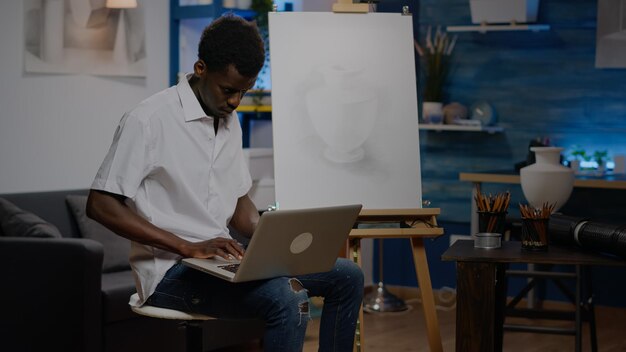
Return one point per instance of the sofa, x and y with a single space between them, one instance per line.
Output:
65 287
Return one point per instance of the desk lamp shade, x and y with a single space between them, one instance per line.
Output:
120 48
547 181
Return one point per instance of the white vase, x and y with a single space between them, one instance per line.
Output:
504 11
432 112
343 111
547 181
244 4
229 4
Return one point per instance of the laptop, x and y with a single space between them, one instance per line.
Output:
287 243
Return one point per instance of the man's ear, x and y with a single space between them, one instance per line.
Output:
199 68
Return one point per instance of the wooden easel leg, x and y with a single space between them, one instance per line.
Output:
428 299
359 339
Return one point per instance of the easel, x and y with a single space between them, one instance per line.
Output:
422 224
402 190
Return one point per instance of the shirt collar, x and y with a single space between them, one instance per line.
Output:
189 101
191 106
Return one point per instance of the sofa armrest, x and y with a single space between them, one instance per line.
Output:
51 294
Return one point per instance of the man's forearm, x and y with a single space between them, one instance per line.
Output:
246 216
111 211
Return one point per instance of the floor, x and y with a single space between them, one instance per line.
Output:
405 331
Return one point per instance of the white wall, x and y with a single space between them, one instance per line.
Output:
56 129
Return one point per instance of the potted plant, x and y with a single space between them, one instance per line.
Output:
599 156
435 55
577 156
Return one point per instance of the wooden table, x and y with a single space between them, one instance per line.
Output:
601 182
421 223
481 286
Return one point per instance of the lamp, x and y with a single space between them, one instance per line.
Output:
381 300
120 48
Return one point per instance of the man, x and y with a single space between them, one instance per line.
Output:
175 178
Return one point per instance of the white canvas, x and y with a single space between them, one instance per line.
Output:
344 110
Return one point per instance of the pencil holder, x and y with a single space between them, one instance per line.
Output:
535 234
491 222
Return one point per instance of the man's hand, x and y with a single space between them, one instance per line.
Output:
219 246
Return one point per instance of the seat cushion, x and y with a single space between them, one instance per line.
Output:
116 291
116 248
16 222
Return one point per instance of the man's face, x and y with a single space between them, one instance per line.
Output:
220 92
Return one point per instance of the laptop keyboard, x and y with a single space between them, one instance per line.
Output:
230 267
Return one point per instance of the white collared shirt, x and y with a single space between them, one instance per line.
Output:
177 173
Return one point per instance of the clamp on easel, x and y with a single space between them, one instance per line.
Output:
347 6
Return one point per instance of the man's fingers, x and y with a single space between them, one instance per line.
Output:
227 248
234 249
231 246
222 253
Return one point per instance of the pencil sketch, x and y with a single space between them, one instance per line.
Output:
343 110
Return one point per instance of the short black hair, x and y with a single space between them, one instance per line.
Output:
231 39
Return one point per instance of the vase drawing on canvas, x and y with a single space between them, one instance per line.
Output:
547 181
343 111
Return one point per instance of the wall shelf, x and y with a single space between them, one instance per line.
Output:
483 28
461 128
254 108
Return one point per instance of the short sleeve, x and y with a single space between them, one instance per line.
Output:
128 161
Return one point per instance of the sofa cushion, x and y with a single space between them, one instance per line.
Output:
16 222
116 248
116 291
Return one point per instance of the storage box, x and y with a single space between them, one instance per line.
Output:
261 165
260 162
262 193
504 11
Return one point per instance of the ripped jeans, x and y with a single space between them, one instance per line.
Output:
281 302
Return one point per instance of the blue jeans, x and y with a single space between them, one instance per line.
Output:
281 302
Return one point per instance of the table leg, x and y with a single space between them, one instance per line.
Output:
428 299
500 305
481 297
355 254
586 272
579 308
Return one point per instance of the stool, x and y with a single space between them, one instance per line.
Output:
582 298
191 322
